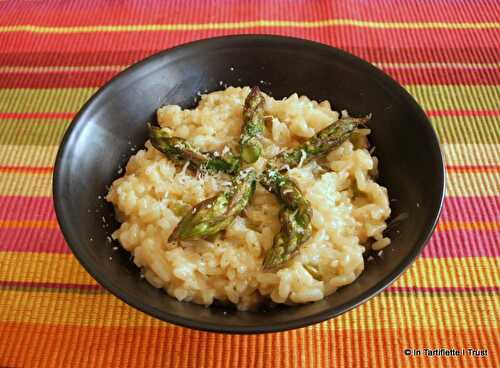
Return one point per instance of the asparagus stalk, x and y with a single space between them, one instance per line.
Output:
295 218
179 150
321 143
253 119
215 214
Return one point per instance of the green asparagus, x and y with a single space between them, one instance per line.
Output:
295 218
253 120
179 150
321 143
215 214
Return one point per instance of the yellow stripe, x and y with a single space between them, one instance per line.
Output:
456 97
24 155
473 184
250 24
471 154
30 266
426 272
450 272
381 312
25 184
458 184
455 154
35 100
435 97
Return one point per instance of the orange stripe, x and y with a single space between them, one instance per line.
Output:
450 168
168 346
29 224
27 169
472 168
468 225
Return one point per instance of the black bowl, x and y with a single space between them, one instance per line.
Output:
111 126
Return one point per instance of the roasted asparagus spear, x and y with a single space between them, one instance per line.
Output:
179 150
321 143
253 120
295 218
215 214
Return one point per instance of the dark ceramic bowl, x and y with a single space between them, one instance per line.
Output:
111 126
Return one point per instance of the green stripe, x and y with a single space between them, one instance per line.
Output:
454 129
447 97
32 132
19 100
467 129
444 97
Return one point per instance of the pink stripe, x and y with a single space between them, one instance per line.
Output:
33 240
469 209
455 208
445 244
26 208
463 243
451 243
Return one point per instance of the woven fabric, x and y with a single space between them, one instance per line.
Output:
54 55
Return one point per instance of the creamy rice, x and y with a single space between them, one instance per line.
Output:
349 208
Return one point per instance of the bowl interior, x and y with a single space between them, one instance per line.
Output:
111 127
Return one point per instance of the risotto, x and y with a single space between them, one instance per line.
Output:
349 209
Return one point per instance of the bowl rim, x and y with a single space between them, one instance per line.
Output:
165 315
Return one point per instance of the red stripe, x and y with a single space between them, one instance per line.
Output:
37 115
70 115
338 36
54 80
463 112
127 57
76 79
94 13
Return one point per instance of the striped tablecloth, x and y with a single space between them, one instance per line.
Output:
54 55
